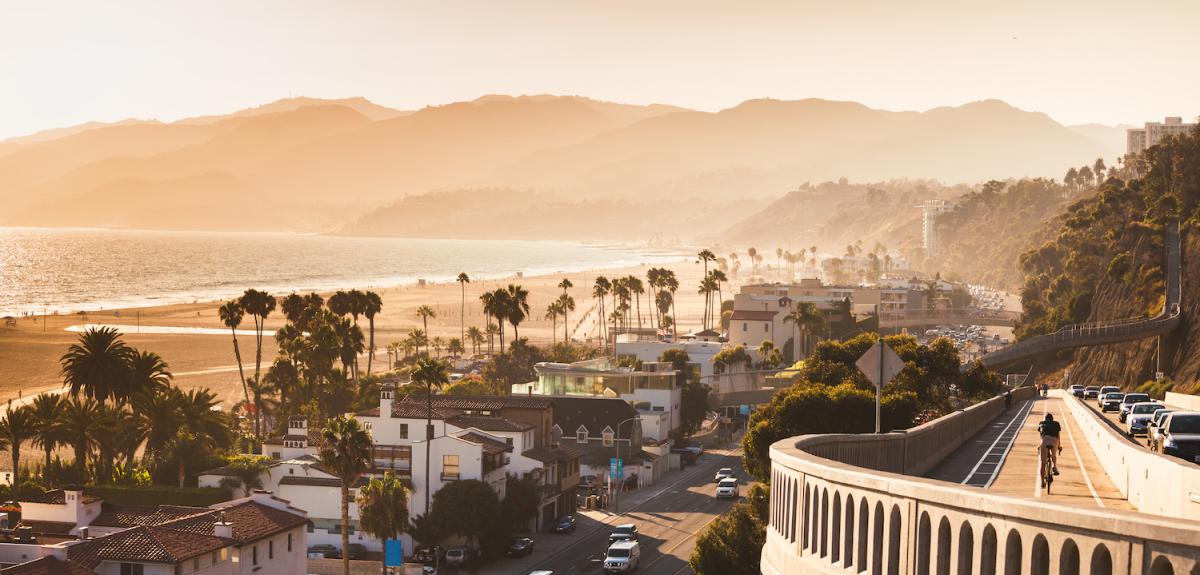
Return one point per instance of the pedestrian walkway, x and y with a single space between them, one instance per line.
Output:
1004 458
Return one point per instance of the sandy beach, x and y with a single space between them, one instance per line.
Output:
30 351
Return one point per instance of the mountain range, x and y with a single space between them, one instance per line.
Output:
307 164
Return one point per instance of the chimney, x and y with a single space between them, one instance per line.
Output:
385 401
83 533
223 528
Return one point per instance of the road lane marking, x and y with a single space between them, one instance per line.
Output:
1004 453
1078 458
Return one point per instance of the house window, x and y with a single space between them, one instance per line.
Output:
225 553
132 568
254 555
745 326
196 564
581 435
289 542
213 559
367 424
608 437
403 431
449 467
271 549
275 455
766 327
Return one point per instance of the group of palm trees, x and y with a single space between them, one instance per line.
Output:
562 306
118 402
625 295
508 304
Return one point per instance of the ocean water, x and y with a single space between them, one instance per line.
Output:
69 270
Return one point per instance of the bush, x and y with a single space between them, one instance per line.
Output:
731 545
160 495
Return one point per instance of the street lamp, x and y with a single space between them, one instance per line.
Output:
617 447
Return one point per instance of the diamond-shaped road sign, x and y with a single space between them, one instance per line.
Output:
869 363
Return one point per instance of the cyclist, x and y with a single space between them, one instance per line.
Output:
1050 447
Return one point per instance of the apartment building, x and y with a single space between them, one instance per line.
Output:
1138 139
652 390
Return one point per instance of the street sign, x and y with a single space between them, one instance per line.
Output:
612 469
880 364
869 363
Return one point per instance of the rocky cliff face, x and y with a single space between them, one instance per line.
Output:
1131 364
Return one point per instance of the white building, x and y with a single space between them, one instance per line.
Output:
1138 139
930 210
649 350
654 390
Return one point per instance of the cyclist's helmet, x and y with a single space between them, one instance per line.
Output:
1049 417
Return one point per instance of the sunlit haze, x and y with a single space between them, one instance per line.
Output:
65 63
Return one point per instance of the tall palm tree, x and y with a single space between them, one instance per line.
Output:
18 426
565 285
671 284
637 288
552 312
80 426
259 304
463 280
719 277
431 373
807 318
157 415
492 331
455 347
231 315
654 280
600 290
48 411
383 507
202 413
425 312
97 366
438 344
566 304
393 351
372 305
707 286
518 307
148 372
346 452
475 336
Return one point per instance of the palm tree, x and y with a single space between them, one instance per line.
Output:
98 365
495 304
18 426
636 287
671 284
566 304
393 352
157 414
346 452
719 277
599 290
80 425
463 280
475 336
201 411
518 308
566 284
805 317
231 315
425 312
148 372
248 470
188 445
259 304
707 286
383 508
48 412
438 344
492 330
372 304
431 373
455 347
552 312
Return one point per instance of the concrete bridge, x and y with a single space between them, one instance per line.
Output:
926 318
960 495
1107 332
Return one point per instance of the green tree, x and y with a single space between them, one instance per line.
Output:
231 315
346 451
730 545
79 426
522 497
518 307
600 290
248 470
425 312
259 304
17 427
48 411
157 415
513 366
469 508
693 401
463 280
188 446
372 305
476 337
383 507
430 373
468 386
97 365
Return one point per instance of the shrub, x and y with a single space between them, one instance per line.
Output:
160 495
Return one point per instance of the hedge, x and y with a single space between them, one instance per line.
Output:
160 495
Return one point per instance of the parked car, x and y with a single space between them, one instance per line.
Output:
723 473
1128 401
1181 435
622 557
1077 390
325 550
587 481
728 487
1091 391
624 531
1105 391
458 556
565 524
357 552
520 547
1111 401
1139 417
1154 434
427 555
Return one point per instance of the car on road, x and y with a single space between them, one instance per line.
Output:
540 572
1091 391
1111 401
1105 391
723 473
325 550
728 487
623 557
458 556
1128 401
622 532
1077 390
565 524
1181 435
1139 416
1154 434
520 547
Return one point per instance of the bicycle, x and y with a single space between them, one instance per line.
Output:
1046 454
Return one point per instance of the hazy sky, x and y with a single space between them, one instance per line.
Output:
63 63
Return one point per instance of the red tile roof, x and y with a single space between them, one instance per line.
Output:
112 515
490 446
147 545
564 452
753 315
48 565
55 497
488 423
251 521
49 527
478 402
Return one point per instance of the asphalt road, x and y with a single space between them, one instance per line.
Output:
668 522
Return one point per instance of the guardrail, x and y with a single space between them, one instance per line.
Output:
1111 331
841 504
1152 482
1183 400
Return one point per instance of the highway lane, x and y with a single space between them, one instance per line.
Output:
668 522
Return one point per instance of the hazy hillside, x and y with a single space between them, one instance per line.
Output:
295 158
514 214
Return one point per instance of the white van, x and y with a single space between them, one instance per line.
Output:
623 557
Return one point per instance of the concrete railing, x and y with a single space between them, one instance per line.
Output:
1107 332
1183 401
1153 483
839 505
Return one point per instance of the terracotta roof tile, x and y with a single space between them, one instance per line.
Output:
112 515
48 565
251 521
146 544
478 402
488 423
56 497
490 446
563 452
